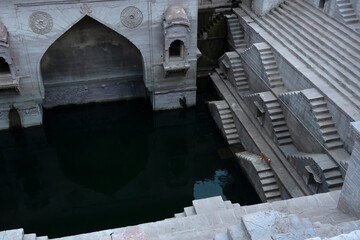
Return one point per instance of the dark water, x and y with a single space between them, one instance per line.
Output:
104 166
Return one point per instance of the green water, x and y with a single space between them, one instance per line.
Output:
97 167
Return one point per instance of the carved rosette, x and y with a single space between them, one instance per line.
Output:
131 17
41 22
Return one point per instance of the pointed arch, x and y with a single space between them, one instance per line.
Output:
89 50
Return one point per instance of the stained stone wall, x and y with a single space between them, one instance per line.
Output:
35 25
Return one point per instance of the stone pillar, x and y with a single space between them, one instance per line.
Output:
30 115
349 200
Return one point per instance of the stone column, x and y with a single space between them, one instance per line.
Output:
349 201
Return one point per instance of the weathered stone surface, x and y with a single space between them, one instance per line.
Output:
350 194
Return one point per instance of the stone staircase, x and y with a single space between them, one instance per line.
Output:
324 119
213 24
265 176
240 79
315 215
333 178
227 122
329 172
295 26
278 121
347 11
270 66
235 33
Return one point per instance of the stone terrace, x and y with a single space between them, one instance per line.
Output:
323 50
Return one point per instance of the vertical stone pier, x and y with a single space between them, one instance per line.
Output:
349 200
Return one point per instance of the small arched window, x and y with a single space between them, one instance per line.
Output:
176 50
322 4
4 67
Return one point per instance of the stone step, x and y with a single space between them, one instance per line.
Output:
229 126
318 104
270 62
226 116
272 105
273 194
328 131
323 116
228 205
329 26
234 141
230 131
267 174
346 10
179 215
271 67
228 121
281 129
326 74
267 58
237 232
331 138
285 141
326 124
275 111
282 135
321 110
243 88
337 182
334 145
272 72
319 56
42 238
270 188
332 174
232 136
275 80
31 236
279 123
351 20
319 39
225 111
189 211
277 117
268 181
241 83
209 205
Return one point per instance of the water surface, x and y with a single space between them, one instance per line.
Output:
103 166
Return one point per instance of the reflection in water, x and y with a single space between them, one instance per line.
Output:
103 166
213 186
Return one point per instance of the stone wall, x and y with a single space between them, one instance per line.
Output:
34 25
301 121
350 194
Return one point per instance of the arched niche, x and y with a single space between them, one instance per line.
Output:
89 53
176 27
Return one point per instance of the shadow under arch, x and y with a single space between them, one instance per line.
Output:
91 51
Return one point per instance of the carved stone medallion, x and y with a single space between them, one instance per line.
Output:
131 17
41 22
